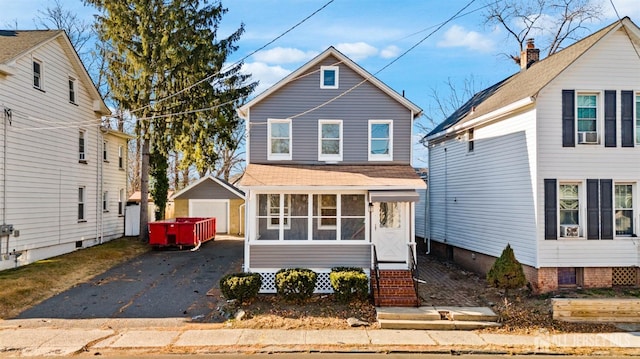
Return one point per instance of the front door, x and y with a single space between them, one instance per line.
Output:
390 233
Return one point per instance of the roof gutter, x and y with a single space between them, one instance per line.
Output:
503 111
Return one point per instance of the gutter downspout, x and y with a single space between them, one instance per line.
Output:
427 207
4 175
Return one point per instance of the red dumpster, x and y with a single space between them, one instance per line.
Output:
182 232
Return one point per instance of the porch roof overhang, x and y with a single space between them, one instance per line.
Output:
394 196
321 177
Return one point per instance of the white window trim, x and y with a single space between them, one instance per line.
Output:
281 215
279 156
121 157
82 201
634 211
329 157
41 63
336 69
599 116
582 209
320 216
380 157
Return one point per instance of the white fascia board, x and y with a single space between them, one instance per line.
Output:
486 117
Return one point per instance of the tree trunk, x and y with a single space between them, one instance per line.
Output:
144 192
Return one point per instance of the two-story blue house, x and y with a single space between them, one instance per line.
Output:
547 160
328 180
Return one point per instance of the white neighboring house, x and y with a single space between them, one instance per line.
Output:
547 160
63 176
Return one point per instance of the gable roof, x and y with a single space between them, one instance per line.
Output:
228 186
527 83
243 111
17 43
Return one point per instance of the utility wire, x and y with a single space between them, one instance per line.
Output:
235 63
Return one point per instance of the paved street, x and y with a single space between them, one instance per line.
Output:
158 284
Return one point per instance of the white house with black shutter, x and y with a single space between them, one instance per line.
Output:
547 160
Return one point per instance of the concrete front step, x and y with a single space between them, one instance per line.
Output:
434 324
436 318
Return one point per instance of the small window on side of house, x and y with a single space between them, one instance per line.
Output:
105 151
105 201
81 202
81 146
37 74
121 202
637 118
470 140
329 77
120 157
72 90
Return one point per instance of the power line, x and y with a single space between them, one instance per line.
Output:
235 63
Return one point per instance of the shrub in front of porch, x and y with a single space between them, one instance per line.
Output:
296 284
349 283
241 286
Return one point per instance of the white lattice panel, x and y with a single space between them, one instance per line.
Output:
323 284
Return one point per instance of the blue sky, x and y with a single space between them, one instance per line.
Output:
372 33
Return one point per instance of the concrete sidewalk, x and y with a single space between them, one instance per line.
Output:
37 337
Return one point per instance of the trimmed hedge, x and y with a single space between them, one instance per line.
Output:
241 286
349 283
296 284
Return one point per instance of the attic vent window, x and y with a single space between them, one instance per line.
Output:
329 77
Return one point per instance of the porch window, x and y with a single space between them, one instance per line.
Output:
328 211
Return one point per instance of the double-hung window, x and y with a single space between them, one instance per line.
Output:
81 146
330 140
587 116
81 201
380 140
569 205
105 151
329 77
279 134
120 157
37 74
105 201
121 202
623 202
274 210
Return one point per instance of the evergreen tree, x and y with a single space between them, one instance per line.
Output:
507 272
156 49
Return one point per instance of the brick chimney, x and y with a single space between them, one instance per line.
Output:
529 55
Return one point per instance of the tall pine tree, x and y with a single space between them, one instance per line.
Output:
158 48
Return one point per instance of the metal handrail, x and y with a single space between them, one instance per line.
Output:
376 270
414 268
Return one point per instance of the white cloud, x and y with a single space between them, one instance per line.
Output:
458 36
390 52
267 75
357 51
283 55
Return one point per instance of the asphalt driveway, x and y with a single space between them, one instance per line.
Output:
157 284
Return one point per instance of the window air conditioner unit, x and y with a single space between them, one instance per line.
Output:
570 231
81 156
588 137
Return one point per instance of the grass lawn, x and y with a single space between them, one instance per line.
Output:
26 286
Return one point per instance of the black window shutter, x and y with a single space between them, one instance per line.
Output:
626 111
606 209
568 119
550 209
610 118
593 209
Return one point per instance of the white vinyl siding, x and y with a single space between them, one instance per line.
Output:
611 64
380 140
279 135
330 140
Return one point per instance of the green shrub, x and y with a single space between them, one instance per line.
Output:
349 283
241 286
507 272
296 284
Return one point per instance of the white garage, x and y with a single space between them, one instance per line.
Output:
213 197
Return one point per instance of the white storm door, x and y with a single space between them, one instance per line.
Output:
210 208
389 231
